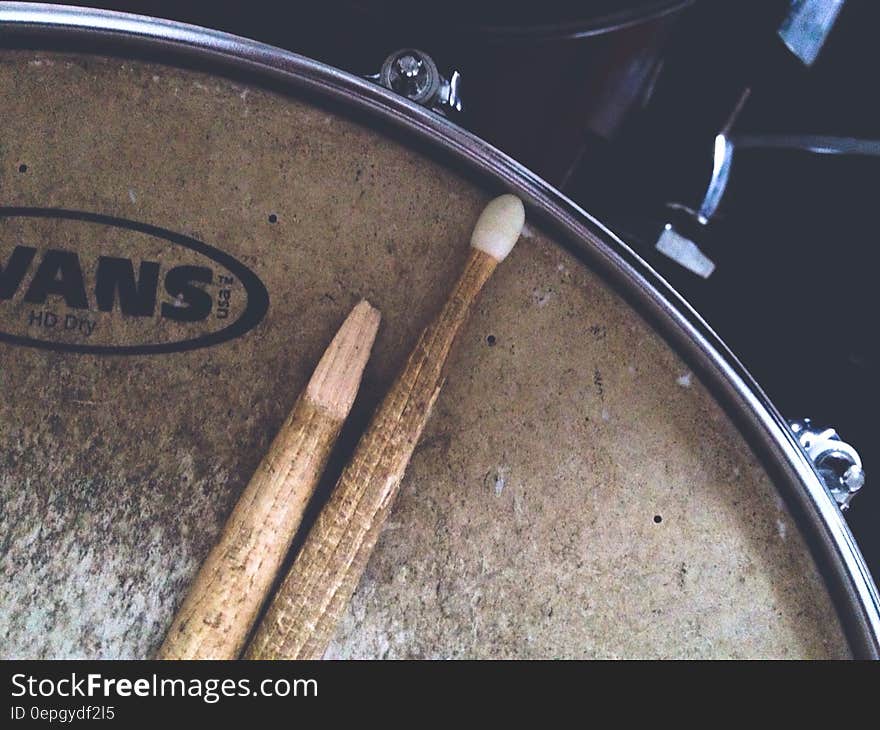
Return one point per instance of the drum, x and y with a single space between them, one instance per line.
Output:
187 218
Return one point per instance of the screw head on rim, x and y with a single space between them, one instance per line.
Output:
412 74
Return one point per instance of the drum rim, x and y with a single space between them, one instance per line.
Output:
829 538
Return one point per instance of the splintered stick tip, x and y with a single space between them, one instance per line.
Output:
335 381
499 226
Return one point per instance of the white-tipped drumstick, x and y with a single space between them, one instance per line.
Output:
303 615
223 602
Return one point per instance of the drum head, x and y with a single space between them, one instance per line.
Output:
178 247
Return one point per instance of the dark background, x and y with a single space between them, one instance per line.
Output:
793 294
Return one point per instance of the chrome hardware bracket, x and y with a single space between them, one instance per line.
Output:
836 461
807 26
414 75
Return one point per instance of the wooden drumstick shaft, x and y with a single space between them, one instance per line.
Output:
223 602
303 615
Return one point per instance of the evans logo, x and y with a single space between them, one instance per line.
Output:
90 283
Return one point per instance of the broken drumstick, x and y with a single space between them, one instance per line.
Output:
221 607
303 615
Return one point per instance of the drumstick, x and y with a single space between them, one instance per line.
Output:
220 609
303 615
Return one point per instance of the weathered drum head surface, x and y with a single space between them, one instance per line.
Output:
177 251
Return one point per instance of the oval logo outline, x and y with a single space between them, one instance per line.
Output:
254 311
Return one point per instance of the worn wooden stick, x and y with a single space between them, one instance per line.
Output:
303 615
222 605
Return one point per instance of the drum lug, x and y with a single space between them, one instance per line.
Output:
414 75
836 461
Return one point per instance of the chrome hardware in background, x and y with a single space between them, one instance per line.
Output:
672 242
804 31
837 462
725 146
807 25
687 252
